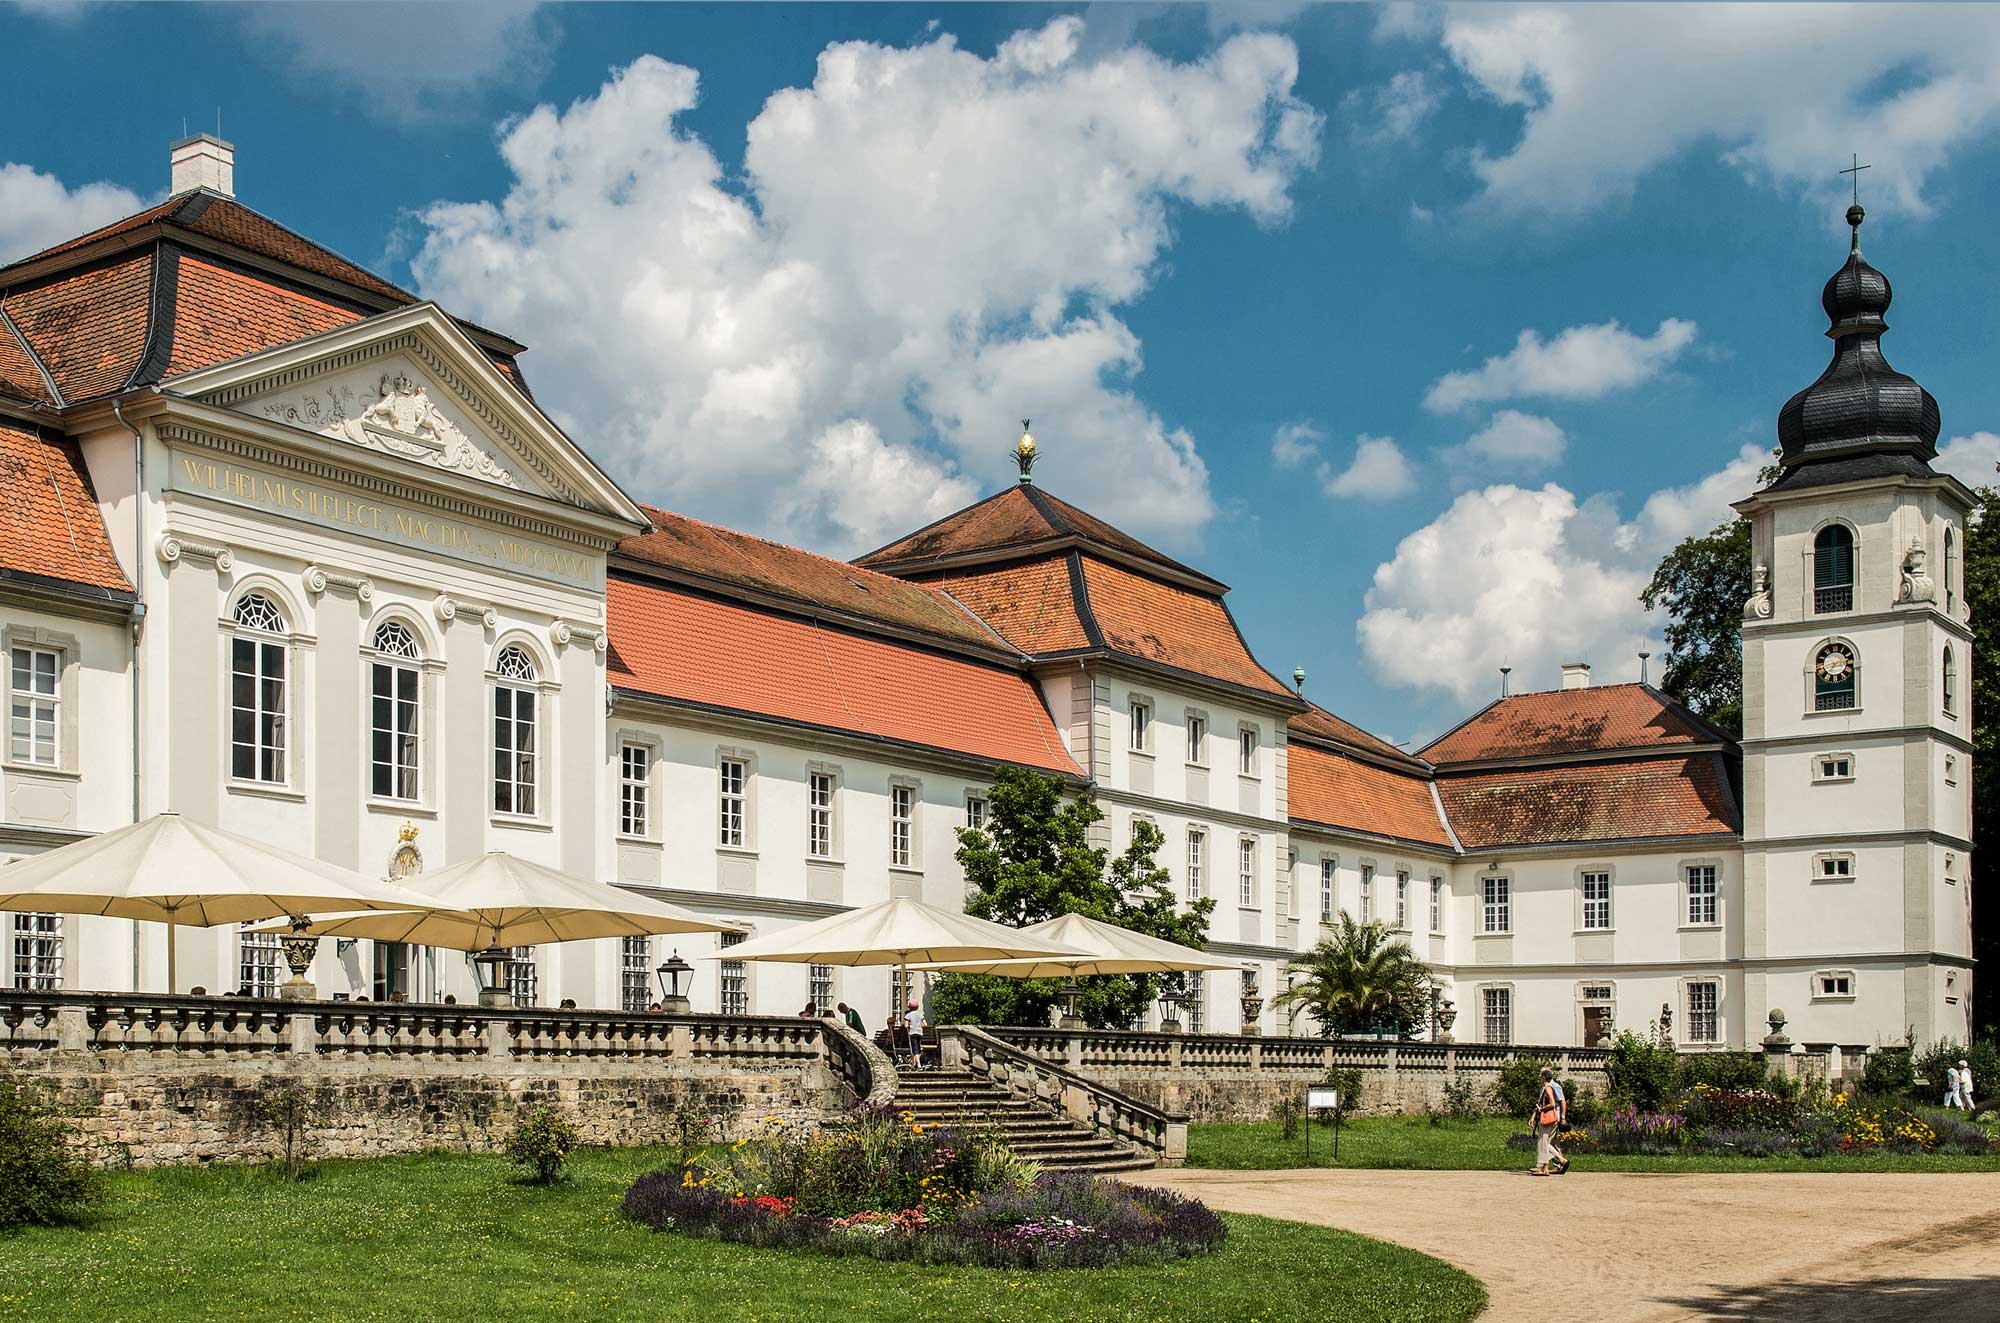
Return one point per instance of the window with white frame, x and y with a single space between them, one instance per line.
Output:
1704 895
1191 1000
1197 846
1833 984
635 786
733 776
734 984
395 712
902 826
635 970
1596 885
1246 872
819 815
516 747
257 691
1437 904
1197 738
34 706
1833 767
1246 751
38 951
1497 1011
819 987
1402 898
523 979
1367 893
975 812
1141 715
1833 867
1329 882
1496 905
1703 1024
257 962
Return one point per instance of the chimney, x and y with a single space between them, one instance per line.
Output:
204 161
1576 675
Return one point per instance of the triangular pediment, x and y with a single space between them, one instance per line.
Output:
410 387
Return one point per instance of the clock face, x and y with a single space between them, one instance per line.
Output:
1835 665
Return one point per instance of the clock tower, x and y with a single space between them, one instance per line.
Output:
1857 722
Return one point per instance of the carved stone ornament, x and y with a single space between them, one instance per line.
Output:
1917 585
559 633
172 549
406 860
399 420
1759 605
444 608
318 580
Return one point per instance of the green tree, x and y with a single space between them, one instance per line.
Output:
1359 979
1703 583
1981 574
1033 861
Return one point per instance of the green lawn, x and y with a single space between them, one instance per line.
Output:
1411 1142
454 1237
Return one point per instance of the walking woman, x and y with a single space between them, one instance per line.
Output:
1548 1116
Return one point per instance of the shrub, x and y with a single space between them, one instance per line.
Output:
1887 1073
1461 1100
1954 1133
1728 1071
1585 1108
1519 1085
1932 1062
1348 1080
1757 1108
1642 1073
44 1177
1287 1115
542 1141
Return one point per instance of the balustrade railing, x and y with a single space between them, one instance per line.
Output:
1031 1076
1117 1049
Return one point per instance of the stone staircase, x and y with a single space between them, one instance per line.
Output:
1034 1132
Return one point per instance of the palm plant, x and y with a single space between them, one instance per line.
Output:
1359 979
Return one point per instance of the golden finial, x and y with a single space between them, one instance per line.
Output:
1024 452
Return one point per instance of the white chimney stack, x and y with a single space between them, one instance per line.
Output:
1576 675
205 161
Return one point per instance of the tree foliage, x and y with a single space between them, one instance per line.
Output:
1703 583
1034 861
1981 575
1359 979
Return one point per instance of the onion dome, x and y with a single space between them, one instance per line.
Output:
1861 413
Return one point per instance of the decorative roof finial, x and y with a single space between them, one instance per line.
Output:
1024 452
1855 214
1299 680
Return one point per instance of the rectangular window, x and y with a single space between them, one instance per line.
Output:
1402 898
1142 725
1498 1007
513 750
256 709
1833 985
1835 767
1833 868
257 963
635 781
1704 900
819 987
394 712
38 951
635 973
1702 1026
819 815
975 812
1196 844
1197 738
1597 900
523 983
902 825
735 980
1246 751
1191 999
1246 872
1437 904
733 775
1329 878
34 706
1496 908
1367 893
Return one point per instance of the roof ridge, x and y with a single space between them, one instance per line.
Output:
1002 494
846 566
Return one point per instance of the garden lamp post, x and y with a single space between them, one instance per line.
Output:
1069 993
670 975
492 966
1170 1023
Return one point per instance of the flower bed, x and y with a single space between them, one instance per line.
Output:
887 1186
1762 1123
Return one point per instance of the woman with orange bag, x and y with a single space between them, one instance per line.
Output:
1548 1117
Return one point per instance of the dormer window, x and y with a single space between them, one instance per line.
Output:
1833 569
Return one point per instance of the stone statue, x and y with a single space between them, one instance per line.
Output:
1917 585
1759 605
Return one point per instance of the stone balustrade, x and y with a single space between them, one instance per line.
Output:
1038 1079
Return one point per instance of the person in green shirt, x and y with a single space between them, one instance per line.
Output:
852 1017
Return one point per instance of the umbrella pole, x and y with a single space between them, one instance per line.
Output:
170 951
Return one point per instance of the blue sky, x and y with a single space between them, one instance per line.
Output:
1427 329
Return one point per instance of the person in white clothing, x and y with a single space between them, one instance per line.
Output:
1951 1087
1965 1085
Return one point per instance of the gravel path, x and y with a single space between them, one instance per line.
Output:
1639 1248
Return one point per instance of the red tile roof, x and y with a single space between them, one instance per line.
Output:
739 560
726 655
1316 723
1333 790
1030 604
1006 524
1175 626
89 326
49 521
19 380
1561 721
1685 795
221 313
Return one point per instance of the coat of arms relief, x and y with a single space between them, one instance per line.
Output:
395 415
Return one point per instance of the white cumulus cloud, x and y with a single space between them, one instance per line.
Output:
925 244
1514 439
1295 443
38 210
1971 459
1611 92
1581 363
1378 472
1396 110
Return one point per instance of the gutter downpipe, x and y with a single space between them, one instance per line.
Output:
138 623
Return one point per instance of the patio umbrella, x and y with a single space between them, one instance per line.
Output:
1106 948
172 870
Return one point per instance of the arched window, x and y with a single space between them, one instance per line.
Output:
514 732
1950 682
1950 568
1833 569
395 712
1833 677
257 691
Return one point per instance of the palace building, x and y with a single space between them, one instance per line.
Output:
293 551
